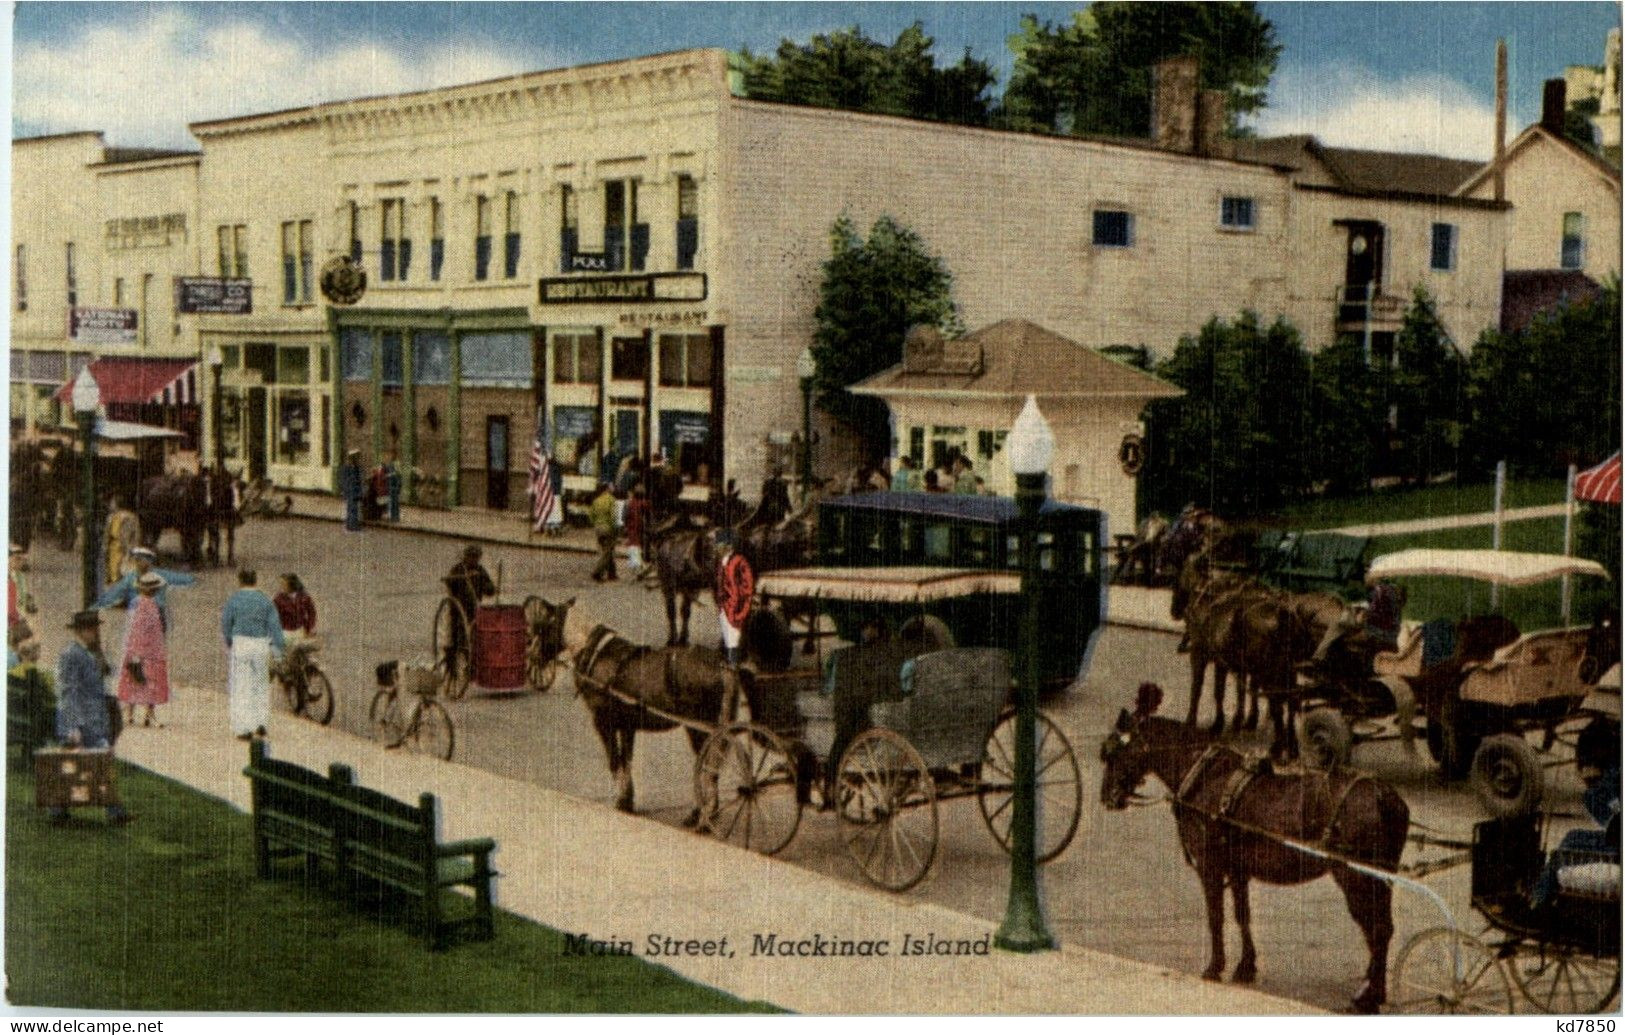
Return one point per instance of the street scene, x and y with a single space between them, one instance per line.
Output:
815 526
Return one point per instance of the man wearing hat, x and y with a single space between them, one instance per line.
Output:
82 714
736 583
125 593
602 512
468 583
352 483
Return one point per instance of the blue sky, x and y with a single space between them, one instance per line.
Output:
1417 76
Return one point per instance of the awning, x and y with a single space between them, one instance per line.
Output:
1599 484
906 585
125 431
1501 567
129 380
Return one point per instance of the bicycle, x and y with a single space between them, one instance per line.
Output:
424 722
305 686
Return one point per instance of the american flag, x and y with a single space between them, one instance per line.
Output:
541 484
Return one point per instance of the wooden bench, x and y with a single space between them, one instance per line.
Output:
366 835
1327 561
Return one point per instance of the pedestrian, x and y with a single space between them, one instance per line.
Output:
19 604
22 597
124 590
352 484
931 482
123 535
253 635
295 609
83 719
665 487
637 528
907 476
735 586
602 512
555 512
392 487
144 670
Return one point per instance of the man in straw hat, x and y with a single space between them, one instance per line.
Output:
83 719
124 592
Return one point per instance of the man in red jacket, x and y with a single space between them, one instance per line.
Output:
736 583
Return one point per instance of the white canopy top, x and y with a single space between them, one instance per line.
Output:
1502 567
905 585
125 431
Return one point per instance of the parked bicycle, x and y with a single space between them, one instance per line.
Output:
303 684
404 710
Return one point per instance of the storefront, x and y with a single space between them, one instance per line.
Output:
157 393
276 407
37 377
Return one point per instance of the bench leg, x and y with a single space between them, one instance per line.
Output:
482 899
431 918
262 857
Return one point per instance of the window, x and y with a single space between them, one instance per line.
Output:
73 278
629 359
390 359
431 358
355 233
297 240
685 360
1574 242
1114 229
688 221
394 247
510 236
569 227
355 354
1444 246
576 359
233 250
482 237
22 278
437 238
615 193
499 358
307 258
141 320
1234 214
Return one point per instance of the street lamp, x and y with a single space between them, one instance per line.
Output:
87 396
217 362
1032 446
806 369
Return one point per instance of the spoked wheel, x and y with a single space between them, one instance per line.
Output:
1442 971
541 672
1564 981
1059 786
433 734
387 718
450 644
318 696
1507 775
887 804
745 789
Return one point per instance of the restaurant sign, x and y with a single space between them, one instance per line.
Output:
102 326
649 287
233 296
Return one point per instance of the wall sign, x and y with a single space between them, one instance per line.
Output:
145 231
648 287
102 326
343 281
1131 454
233 296
589 262
746 373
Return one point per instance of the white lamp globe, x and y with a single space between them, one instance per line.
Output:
806 365
87 394
1031 443
216 357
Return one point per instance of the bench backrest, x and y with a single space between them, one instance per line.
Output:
286 789
396 838
957 697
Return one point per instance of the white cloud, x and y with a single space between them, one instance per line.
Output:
143 83
1348 105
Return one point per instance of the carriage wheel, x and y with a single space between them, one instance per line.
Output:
540 672
887 804
745 789
1566 981
318 696
1507 776
432 733
1059 786
386 719
451 626
1442 970
1326 738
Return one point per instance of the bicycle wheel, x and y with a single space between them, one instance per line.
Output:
449 640
385 718
318 696
432 731
290 689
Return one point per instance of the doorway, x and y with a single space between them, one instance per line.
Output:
255 433
628 438
496 463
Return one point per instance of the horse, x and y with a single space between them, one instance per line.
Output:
1139 562
620 682
1238 821
1210 606
222 512
683 558
179 502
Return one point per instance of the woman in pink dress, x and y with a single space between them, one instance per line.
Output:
144 675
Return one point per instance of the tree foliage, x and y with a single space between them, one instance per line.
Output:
1094 75
1427 394
1349 417
873 291
846 69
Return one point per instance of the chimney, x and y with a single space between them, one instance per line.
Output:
1500 118
1211 121
1553 103
1173 104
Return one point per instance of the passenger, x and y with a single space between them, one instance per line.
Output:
907 477
1596 756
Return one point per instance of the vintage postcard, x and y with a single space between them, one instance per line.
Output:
841 508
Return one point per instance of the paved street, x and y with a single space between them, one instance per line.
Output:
1122 887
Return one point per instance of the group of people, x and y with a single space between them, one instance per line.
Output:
627 507
370 495
957 475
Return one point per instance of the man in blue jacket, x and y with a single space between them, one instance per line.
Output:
253 635
83 719
123 592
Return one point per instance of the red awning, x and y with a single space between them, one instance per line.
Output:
128 380
1599 484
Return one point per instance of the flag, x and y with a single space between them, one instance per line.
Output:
541 484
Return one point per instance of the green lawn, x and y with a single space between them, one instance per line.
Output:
166 914
1410 504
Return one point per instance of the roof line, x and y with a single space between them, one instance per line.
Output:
1532 132
58 136
1400 195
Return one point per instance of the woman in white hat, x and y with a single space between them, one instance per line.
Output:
144 672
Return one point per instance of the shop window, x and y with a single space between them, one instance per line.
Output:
293 365
1235 214
569 227
685 438
685 360
293 427
72 277
688 221
499 358
390 359
482 237
21 293
1444 246
1113 229
576 359
575 439
355 354
231 423
629 359
394 246
260 358
437 238
431 358
510 236
1574 242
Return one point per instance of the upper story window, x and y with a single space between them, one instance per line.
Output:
615 222
233 249
482 237
298 239
355 233
21 294
1444 246
577 359
118 292
1573 255
569 227
72 277
1114 228
394 246
510 235
685 360
688 221
1235 213
437 238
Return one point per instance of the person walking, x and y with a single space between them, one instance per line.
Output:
144 670
83 719
392 487
352 484
253 635
602 513
735 586
637 528
123 535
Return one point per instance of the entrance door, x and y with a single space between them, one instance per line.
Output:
496 463
255 430
1364 266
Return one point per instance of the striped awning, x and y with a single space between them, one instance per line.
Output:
133 381
1599 484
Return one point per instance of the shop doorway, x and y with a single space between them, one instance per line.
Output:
254 432
628 437
496 463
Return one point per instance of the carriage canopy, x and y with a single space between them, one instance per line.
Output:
1501 567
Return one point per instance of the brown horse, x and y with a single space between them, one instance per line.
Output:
1211 605
684 560
1235 819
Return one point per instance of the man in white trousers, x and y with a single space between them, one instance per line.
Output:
253 635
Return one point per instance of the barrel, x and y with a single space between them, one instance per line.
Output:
499 646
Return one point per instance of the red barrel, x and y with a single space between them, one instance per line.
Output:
499 646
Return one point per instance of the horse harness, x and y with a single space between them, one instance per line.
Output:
606 642
1236 784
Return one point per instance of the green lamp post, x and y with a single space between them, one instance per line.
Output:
1032 446
806 369
87 397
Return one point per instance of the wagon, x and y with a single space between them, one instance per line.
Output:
500 647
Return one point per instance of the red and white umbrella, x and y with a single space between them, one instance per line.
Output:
1599 484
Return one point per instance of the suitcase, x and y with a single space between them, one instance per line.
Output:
65 779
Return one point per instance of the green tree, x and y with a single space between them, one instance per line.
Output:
1577 123
1094 75
1348 417
874 290
1427 393
1239 440
846 69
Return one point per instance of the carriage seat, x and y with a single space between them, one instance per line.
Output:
1406 658
958 697
1591 879
1535 667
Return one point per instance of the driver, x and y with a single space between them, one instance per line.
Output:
1596 756
468 583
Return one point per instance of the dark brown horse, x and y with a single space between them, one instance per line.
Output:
1235 818
1211 606
684 560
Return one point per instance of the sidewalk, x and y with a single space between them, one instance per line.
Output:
473 524
581 867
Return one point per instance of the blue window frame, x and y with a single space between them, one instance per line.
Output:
1444 246
1236 213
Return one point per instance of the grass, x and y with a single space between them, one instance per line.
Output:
1409 504
166 914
